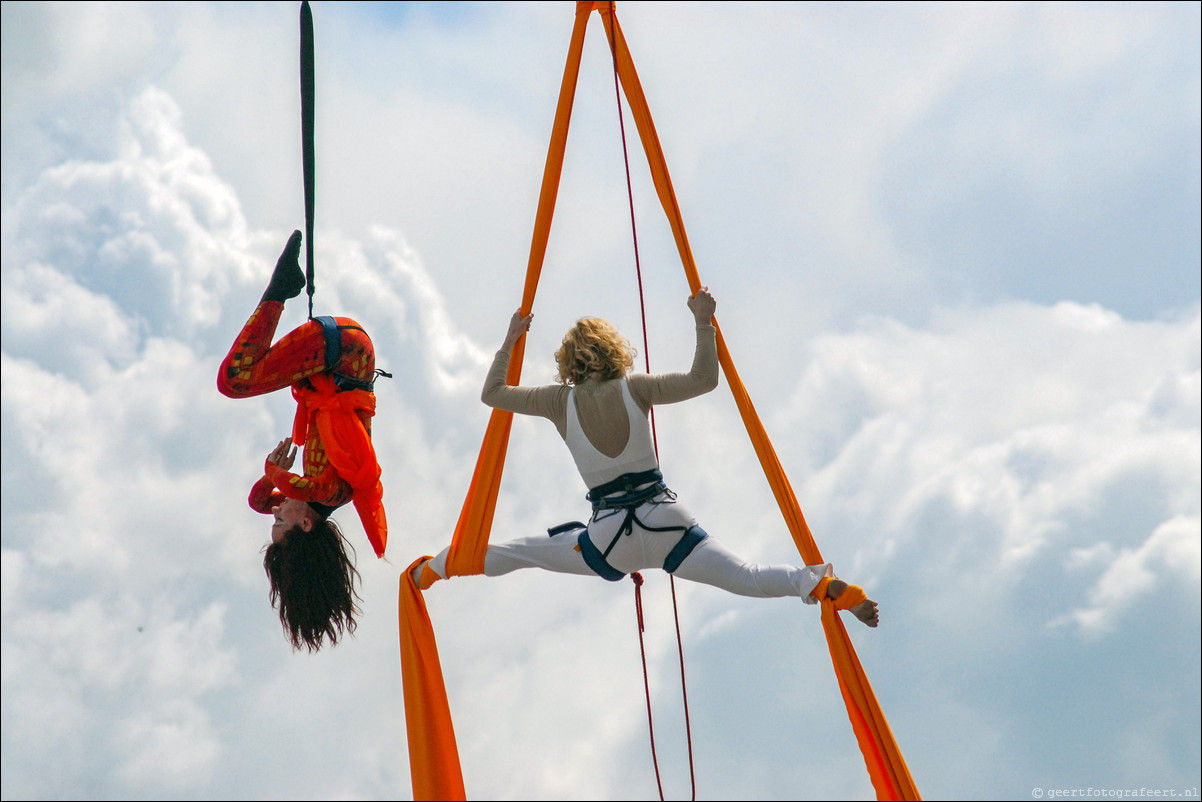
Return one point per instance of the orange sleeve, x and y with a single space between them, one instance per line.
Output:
326 487
264 496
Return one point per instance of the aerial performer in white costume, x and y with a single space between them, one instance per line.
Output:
602 415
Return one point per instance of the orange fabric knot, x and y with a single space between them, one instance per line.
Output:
429 576
426 577
849 598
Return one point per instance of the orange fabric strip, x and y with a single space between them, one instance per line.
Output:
886 767
887 770
849 598
777 480
470 540
433 753
428 577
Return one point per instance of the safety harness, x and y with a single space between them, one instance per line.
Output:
625 495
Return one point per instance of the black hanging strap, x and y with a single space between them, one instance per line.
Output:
307 105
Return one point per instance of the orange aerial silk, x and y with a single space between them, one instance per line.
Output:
433 755
348 446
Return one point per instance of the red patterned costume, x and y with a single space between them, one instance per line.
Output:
333 417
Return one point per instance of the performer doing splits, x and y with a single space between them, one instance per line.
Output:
602 415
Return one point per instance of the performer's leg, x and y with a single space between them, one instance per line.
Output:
713 564
252 367
558 554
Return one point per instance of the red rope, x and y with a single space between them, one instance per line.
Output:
684 691
638 610
638 268
638 580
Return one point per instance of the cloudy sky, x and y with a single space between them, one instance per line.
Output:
956 255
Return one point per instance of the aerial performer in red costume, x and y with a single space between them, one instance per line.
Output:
330 364
602 415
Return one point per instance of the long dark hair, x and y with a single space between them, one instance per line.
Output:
313 584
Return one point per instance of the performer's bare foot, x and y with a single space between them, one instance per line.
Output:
867 610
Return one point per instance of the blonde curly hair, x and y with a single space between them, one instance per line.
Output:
593 347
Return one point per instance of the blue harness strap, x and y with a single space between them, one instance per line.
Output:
331 332
333 338
595 560
627 482
684 547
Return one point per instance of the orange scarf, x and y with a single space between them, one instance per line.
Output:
348 446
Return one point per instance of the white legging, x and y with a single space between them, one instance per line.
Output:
710 562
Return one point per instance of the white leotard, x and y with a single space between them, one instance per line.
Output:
596 468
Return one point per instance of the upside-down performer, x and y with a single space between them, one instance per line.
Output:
330 364
637 523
